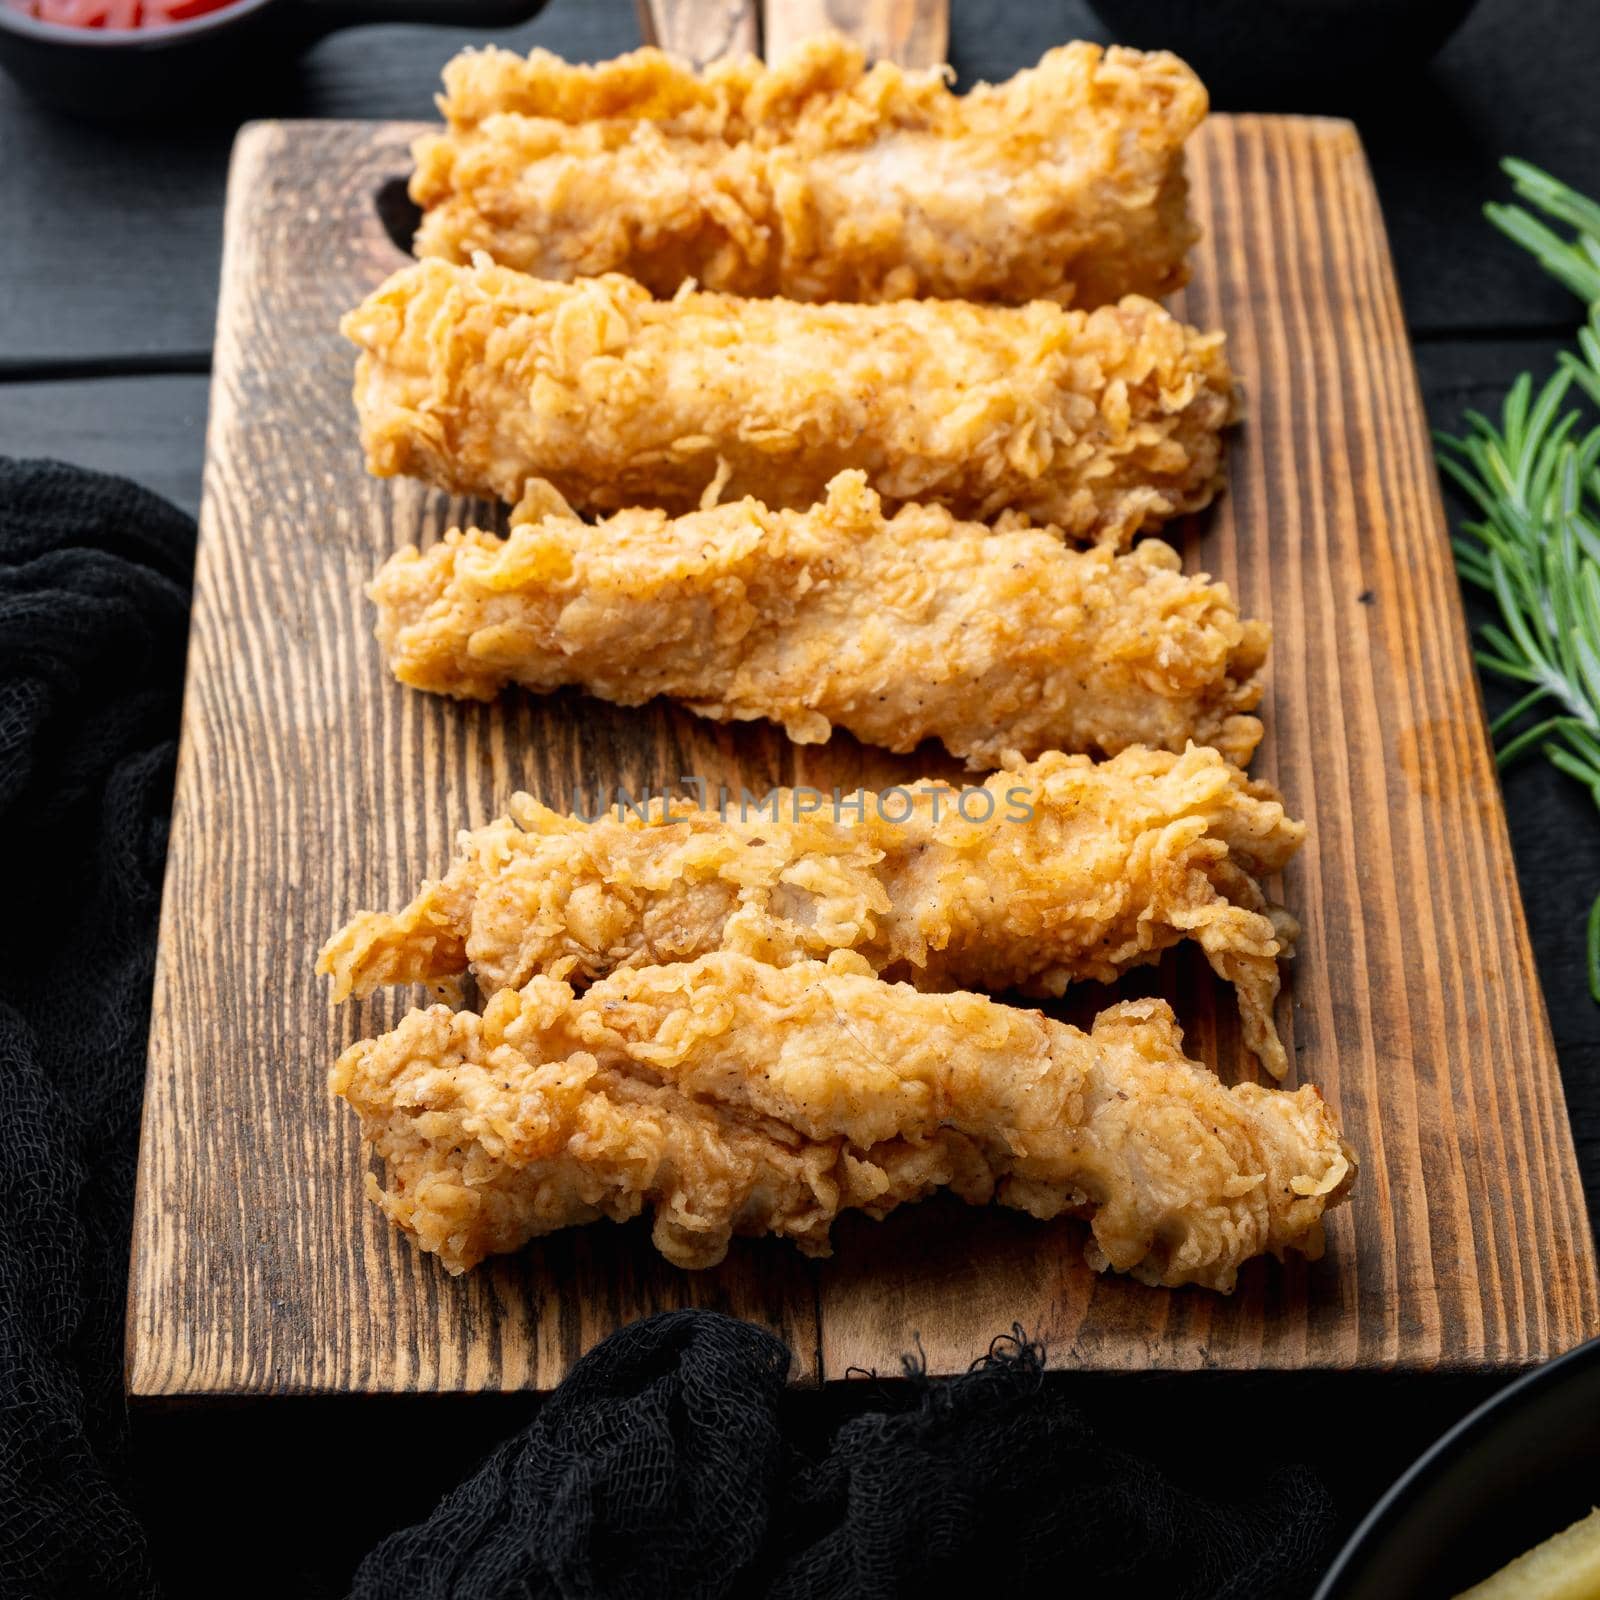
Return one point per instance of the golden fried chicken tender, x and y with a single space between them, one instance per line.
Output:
1053 872
480 378
816 179
898 630
732 1097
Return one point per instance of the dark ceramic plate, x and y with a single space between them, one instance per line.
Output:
1270 54
1522 1466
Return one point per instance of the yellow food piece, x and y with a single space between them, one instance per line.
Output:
817 179
733 1097
478 378
1565 1567
1067 871
897 630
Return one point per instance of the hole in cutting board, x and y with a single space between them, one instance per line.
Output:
398 212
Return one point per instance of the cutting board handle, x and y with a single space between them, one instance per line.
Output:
914 33
701 31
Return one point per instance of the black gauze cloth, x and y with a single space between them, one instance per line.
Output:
94 607
660 1467
666 1463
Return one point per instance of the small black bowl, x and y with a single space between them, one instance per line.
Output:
1521 1467
1282 54
137 72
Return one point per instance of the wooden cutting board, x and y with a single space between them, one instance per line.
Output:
311 785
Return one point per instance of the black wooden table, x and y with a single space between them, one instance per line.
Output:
108 269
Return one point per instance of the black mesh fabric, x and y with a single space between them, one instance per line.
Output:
667 1462
94 600
660 1467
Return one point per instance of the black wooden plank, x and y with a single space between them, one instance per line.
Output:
1475 371
112 238
149 429
1517 80
392 73
114 235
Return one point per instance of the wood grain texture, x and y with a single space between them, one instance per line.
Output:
913 33
310 785
701 30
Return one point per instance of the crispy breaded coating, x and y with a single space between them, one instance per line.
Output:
732 1097
480 378
897 630
816 179
1053 872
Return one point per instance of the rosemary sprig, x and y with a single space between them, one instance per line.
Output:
1535 547
1576 261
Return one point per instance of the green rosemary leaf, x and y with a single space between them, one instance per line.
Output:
1589 591
1518 618
1514 415
1537 735
1558 257
1594 950
1553 197
1583 741
1572 765
1515 713
1588 669
1502 668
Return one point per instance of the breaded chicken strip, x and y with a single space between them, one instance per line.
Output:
1067 871
479 378
898 630
816 179
731 1097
